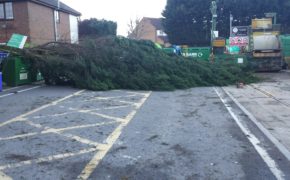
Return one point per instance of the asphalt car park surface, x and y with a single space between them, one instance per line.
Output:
65 133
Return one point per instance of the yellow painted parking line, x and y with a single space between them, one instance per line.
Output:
137 93
126 102
269 95
85 126
101 98
53 115
29 89
21 117
98 114
8 89
108 98
104 148
18 136
50 130
47 159
17 119
105 116
20 91
79 139
74 110
67 135
91 166
5 95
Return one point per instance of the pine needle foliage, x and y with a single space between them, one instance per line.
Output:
119 63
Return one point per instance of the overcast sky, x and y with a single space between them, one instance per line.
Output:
120 11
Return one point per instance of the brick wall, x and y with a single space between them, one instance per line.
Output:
41 24
18 25
37 22
64 27
148 31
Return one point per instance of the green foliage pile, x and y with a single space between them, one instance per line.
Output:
95 27
119 63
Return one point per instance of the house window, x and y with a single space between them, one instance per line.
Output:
6 10
2 13
161 33
9 10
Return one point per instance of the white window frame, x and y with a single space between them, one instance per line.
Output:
2 11
160 33
7 11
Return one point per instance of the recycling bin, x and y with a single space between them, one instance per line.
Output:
15 72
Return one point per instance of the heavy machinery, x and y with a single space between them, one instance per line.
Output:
265 51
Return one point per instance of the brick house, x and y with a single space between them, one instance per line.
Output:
41 20
150 29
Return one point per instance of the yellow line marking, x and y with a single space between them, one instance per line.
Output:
137 93
108 98
91 166
47 159
74 110
21 117
126 102
267 94
101 98
79 139
67 135
4 176
18 136
53 115
20 91
104 116
83 126
98 114
8 89
51 130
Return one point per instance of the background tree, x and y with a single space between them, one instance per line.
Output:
189 21
95 27
135 29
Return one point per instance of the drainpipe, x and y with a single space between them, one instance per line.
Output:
55 21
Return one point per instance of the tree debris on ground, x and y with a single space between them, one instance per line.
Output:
119 63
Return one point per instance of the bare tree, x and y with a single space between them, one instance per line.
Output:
135 29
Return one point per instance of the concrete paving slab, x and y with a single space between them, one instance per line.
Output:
269 102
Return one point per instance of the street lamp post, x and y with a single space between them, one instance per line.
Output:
214 18
231 24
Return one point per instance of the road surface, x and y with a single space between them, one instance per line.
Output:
65 133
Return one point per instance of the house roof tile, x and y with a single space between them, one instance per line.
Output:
62 6
52 4
156 22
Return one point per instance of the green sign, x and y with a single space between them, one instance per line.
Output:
17 41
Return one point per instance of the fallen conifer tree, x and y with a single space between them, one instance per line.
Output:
119 63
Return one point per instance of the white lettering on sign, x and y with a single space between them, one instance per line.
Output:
23 76
190 55
240 60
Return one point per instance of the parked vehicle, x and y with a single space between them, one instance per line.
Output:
265 49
